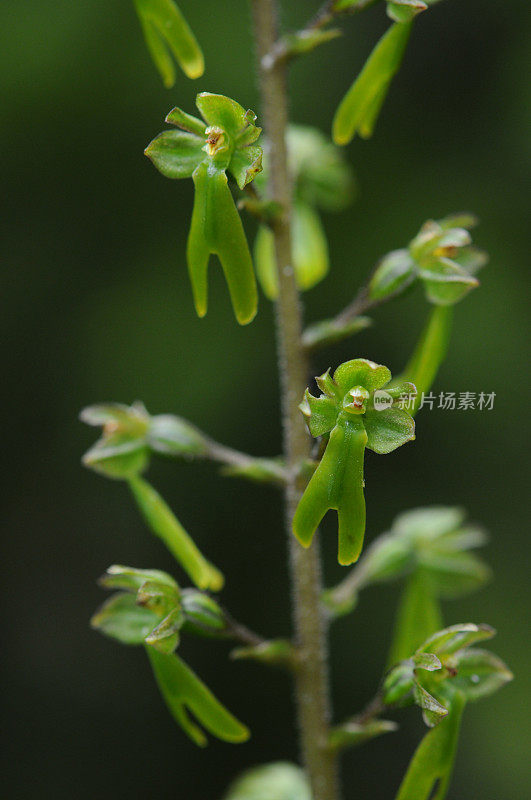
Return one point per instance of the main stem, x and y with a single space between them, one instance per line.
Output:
311 675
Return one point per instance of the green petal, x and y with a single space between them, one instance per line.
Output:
121 618
217 228
176 154
118 455
277 781
388 429
171 26
359 108
445 281
182 690
433 760
450 640
361 372
165 524
394 274
186 121
320 413
480 673
310 246
405 10
245 164
265 262
131 579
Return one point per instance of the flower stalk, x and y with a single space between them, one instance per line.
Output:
311 677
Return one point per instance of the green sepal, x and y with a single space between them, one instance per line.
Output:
165 636
445 282
353 733
480 673
463 219
173 436
165 524
309 252
277 781
165 29
183 691
429 522
405 10
329 331
453 574
433 760
176 154
337 483
122 619
395 272
132 579
435 240
359 109
202 615
216 228
448 641
388 429
119 456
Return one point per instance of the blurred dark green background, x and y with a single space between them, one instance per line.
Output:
98 307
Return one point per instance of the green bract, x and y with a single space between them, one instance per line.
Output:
166 31
164 524
206 151
150 610
321 180
440 256
355 413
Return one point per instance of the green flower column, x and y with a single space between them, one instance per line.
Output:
355 414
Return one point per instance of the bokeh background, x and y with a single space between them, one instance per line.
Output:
97 307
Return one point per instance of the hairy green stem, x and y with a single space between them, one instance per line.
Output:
311 676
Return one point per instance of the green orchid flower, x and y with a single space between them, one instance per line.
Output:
206 151
441 257
354 413
150 610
